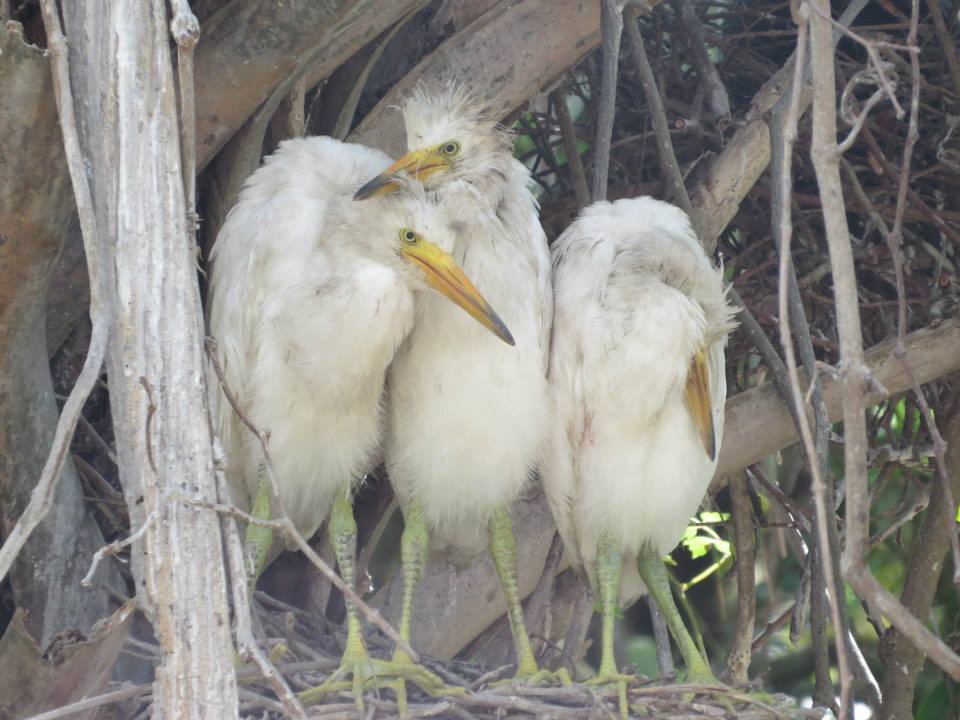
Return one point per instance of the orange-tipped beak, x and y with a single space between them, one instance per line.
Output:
419 164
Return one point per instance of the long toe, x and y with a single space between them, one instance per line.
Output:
614 681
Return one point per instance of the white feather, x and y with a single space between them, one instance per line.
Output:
309 301
635 299
467 413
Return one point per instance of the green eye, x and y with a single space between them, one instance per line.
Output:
408 236
450 148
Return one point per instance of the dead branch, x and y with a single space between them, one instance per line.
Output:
738 660
42 496
853 370
611 31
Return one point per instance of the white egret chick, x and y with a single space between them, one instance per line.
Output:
311 294
467 416
637 376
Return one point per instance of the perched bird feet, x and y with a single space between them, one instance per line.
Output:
360 673
356 671
531 674
617 681
705 677
542 676
404 670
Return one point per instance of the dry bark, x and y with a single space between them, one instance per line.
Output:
35 209
253 46
32 680
121 67
505 57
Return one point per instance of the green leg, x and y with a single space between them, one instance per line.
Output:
257 540
355 661
503 548
654 575
366 671
609 568
413 556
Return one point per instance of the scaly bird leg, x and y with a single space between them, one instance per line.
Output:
413 557
356 662
503 548
654 575
257 540
609 568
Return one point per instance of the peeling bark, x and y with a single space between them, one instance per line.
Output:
121 68
32 680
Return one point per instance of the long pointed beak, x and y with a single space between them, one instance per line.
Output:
418 164
445 276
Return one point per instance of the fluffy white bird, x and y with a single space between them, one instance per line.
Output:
467 416
311 294
637 375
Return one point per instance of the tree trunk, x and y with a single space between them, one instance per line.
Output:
35 209
121 72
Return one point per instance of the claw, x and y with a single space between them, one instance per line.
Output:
368 673
619 681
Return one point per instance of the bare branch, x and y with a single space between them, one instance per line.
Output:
100 312
824 508
611 24
852 366
738 660
578 178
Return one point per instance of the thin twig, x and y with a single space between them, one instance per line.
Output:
611 27
538 605
854 374
115 547
786 232
568 133
661 637
658 115
246 642
186 32
96 701
738 660
41 498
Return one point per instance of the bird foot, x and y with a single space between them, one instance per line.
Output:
404 670
617 681
703 676
363 672
536 676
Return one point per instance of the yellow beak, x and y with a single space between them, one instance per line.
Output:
445 276
418 164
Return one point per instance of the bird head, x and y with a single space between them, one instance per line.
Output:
396 232
450 137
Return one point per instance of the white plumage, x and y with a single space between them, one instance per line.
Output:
635 300
467 416
467 413
311 294
310 298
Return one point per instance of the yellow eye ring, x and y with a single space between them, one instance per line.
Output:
408 236
450 148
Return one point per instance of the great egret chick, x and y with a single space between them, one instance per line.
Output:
467 416
311 294
637 375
